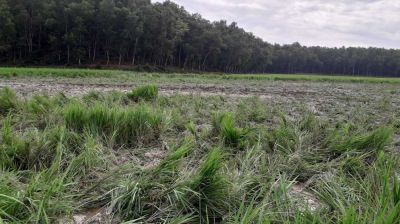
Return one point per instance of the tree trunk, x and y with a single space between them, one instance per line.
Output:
94 50
68 55
179 56
108 56
134 52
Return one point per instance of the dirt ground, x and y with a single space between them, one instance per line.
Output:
264 89
331 100
320 97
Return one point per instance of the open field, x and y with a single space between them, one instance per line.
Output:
172 77
97 146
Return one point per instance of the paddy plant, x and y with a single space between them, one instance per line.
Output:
126 126
180 159
146 93
8 101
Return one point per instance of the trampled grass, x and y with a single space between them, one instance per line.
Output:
192 159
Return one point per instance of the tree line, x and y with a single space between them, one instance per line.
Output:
138 32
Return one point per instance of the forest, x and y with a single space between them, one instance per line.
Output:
133 33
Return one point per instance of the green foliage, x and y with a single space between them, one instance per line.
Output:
39 105
129 126
208 187
127 199
252 110
147 93
8 101
169 165
75 116
13 150
224 124
374 141
284 138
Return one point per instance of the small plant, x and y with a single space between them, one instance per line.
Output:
39 105
138 126
146 93
208 187
124 126
224 124
75 116
170 164
373 141
8 101
127 199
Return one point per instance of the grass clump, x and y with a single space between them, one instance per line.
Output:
14 152
209 188
146 93
224 124
8 101
124 126
374 141
170 164
75 116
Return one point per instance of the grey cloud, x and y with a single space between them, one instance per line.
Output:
332 23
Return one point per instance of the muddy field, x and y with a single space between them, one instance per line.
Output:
324 99
273 125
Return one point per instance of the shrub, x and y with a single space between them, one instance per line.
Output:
146 93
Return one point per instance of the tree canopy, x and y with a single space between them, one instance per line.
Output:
138 32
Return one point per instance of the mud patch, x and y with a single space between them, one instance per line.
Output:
304 199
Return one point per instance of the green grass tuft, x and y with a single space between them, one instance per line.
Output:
8 101
224 124
146 93
130 126
374 141
208 187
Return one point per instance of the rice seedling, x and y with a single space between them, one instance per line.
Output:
38 105
374 141
169 165
8 101
130 126
146 93
173 161
224 124
127 200
208 188
138 126
75 116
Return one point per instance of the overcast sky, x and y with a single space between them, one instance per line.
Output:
332 23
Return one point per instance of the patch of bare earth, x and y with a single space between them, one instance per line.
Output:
306 199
